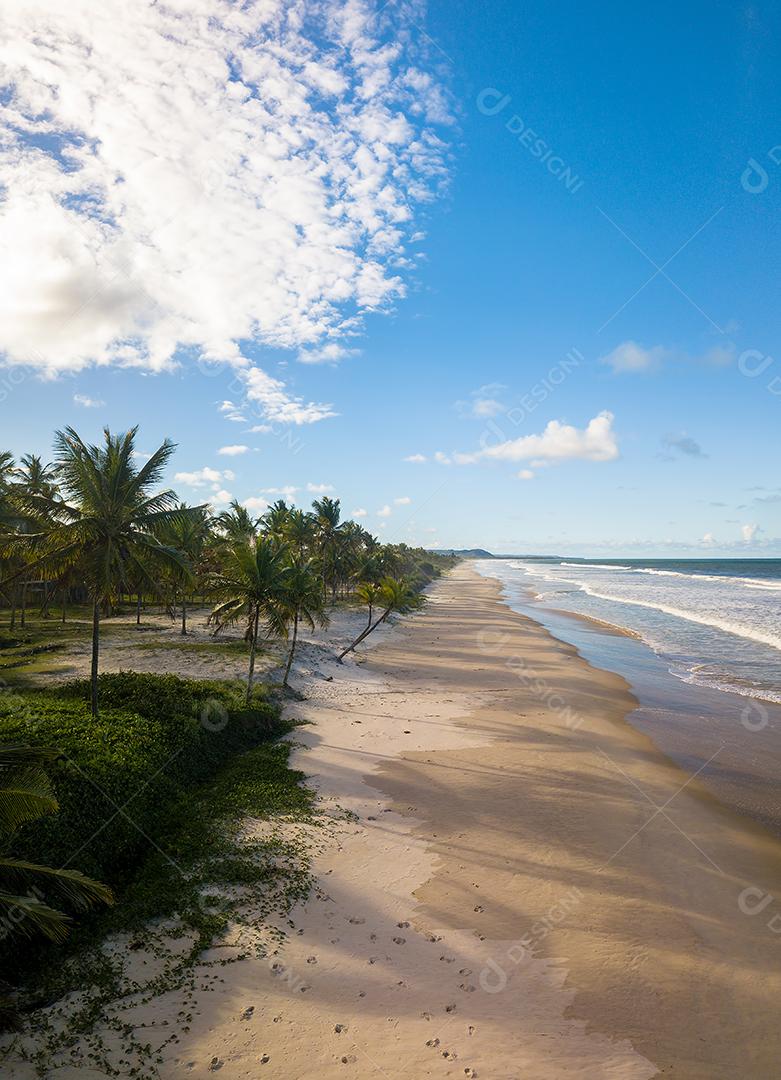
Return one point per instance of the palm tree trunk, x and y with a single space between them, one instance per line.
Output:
368 624
364 633
95 654
138 609
12 624
23 615
253 648
64 602
292 648
45 607
184 615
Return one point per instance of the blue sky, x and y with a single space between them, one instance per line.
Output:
663 124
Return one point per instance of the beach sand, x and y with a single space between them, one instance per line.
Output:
524 888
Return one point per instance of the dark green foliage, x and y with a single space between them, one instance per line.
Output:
123 775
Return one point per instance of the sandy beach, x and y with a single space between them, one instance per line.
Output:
524 887
506 811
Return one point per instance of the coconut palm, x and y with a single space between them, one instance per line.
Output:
327 514
369 593
32 477
26 888
300 601
187 534
275 520
236 524
107 526
396 594
249 583
299 531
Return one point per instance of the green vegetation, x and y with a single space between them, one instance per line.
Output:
149 777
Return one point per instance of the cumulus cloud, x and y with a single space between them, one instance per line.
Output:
385 512
558 442
416 459
256 504
484 403
181 180
749 533
403 500
87 402
319 489
209 478
526 474
359 513
234 450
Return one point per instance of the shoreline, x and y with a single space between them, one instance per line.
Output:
558 925
499 894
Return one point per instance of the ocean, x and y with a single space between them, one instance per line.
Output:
714 622
703 659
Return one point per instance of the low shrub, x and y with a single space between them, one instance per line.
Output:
122 779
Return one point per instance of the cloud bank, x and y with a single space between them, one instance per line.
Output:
186 180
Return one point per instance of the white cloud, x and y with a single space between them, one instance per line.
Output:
416 459
287 492
385 512
331 353
319 489
526 474
708 539
221 497
234 450
558 442
631 357
441 458
403 500
88 402
360 513
749 533
486 407
276 404
205 477
181 178
256 505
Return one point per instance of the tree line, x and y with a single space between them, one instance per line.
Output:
93 525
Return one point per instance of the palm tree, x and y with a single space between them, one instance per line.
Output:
301 600
249 583
188 535
32 477
299 531
327 514
108 527
369 592
396 594
275 520
235 524
25 795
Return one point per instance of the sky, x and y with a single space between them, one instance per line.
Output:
501 275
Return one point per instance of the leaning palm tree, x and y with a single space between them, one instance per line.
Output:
396 594
26 888
248 584
107 523
300 601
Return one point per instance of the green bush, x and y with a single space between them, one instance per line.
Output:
122 779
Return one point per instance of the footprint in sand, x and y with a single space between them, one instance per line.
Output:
448 959
215 1064
433 1042
339 1028
311 959
451 1055
470 1073
467 988
479 907
248 1012
356 920
450 1008
265 1059
470 1030
348 1059
465 971
426 1015
399 940
372 937
402 925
